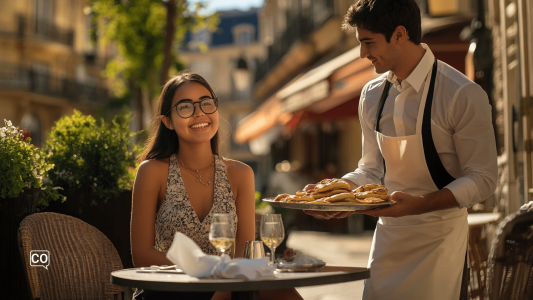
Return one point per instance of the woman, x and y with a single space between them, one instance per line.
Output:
182 182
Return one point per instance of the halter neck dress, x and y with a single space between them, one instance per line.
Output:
177 214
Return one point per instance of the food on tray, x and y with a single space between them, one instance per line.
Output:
371 200
295 198
367 187
327 185
328 194
337 191
281 197
340 197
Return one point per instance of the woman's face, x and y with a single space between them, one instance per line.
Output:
200 127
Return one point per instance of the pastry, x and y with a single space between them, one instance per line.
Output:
281 197
339 197
368 187
331 184
328 194
370 200
370 194
301 193
294 198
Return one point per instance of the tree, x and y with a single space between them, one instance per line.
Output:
146 34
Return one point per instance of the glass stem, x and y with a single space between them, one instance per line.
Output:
273 255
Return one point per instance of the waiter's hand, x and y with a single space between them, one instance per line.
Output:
406 204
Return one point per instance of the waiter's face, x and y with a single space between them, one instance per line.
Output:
374 47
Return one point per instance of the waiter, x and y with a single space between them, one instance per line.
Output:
427 132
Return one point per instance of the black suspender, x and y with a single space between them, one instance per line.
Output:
440 176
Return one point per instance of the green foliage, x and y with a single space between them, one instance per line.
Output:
22 165
137 28
264 207
91 155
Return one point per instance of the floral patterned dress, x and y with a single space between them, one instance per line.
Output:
177 214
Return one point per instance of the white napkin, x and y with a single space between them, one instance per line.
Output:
189 257
303 259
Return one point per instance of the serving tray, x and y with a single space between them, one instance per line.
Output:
327 207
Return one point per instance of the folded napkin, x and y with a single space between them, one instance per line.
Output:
299 258
193 261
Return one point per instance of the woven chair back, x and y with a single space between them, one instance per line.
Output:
81 258
510 264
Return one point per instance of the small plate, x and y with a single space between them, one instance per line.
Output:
290 267
328 207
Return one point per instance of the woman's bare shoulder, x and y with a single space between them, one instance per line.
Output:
153 166
237 169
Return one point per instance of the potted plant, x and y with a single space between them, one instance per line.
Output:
95 163
22 169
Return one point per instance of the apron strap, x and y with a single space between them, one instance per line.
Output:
440 176
384 96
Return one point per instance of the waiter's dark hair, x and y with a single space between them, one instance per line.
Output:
384 16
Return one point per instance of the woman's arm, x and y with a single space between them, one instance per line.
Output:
241 179
143 212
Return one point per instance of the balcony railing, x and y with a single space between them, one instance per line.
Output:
299 27
27 79
46 30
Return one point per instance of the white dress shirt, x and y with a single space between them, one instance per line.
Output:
460 123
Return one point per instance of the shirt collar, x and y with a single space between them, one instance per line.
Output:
417 77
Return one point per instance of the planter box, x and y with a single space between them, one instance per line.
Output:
13 282
112 217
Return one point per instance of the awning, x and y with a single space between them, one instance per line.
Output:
347 84
314 85
258 122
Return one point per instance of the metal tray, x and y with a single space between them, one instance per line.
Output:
290 267
327 207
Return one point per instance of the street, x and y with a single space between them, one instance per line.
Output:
336 250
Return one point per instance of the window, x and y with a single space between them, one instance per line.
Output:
204 68
245 38
43 13
243 34
200 40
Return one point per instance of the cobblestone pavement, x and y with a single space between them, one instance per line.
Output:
336 250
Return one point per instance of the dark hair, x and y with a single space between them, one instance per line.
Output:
163 142
384 16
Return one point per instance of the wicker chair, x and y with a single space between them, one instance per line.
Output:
510 264
81 258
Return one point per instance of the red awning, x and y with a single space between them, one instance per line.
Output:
347 83
259 122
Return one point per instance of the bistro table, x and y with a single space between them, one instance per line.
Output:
240 288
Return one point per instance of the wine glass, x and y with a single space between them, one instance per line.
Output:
272 233
221 234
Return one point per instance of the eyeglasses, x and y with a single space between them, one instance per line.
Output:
186 108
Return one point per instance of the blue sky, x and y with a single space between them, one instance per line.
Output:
217 5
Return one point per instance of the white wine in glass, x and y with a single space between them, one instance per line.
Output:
221 234
272 233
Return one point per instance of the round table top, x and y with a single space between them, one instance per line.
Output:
186 283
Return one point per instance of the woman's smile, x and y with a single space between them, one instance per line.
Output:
199 126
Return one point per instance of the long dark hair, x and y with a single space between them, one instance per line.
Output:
163 142
384 16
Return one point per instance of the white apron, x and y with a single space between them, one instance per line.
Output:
419 256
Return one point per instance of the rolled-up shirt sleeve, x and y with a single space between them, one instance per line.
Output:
370 167
474 139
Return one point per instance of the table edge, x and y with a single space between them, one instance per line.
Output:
242 285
